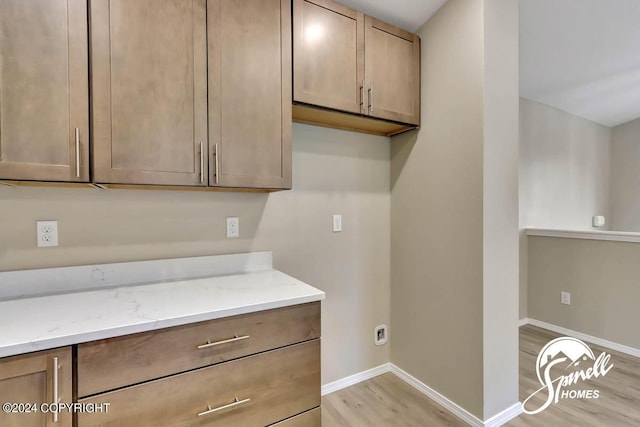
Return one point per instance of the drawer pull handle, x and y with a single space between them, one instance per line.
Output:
213 344
210 410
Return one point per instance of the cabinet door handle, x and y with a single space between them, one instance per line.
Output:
236 402
213 344
217 164
371 97
55 388
201 163
362 97
77 153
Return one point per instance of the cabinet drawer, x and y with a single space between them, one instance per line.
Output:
310 418
118 362
254 391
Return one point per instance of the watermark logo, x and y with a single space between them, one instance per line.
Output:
580 364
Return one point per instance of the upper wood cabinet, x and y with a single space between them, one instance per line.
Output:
392 67
348 62
250 93
37 378
149 91
44 116
328 64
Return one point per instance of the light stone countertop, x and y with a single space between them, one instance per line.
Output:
49 321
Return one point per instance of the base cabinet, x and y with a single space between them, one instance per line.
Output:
36 379
251 370
251 392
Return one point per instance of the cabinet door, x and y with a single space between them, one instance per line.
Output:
392 63
44 90
149 99
328 55
250 93
33 378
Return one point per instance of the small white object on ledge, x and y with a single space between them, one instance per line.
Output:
598 221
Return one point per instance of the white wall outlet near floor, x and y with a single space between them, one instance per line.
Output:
380 334
565 298
233 227
337 223
47 232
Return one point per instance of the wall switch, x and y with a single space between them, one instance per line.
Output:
337 223
380 334
47 232
233 227
565 298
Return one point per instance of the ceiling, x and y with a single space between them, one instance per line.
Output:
582 56
406 14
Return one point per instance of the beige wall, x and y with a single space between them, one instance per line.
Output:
500 206
334 172
564 174
625 177
454 212
602 278
436 214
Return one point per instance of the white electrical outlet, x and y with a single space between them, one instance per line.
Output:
380 334
233 227
337 223
565 298
47 232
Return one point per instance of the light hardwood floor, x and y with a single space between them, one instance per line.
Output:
388 401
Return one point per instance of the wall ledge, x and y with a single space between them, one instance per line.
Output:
613 236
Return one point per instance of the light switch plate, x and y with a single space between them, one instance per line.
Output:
337 223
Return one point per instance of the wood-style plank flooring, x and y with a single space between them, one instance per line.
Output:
388 401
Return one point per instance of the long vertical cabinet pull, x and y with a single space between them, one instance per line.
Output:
370 97
362 97
217 164
55 380
201 163
77 153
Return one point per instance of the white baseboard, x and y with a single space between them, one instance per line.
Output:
523 321
584 337
505 416
466 416
495 421
355 378
453 407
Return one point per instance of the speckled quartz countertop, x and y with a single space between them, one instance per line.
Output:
38 322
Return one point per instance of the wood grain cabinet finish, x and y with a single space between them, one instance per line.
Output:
254 391
44 101
117 362
312 418
37 378
348 62
249 44
328 67
149 91
392 63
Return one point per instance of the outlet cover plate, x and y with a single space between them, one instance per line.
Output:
233 227
565 298
47 233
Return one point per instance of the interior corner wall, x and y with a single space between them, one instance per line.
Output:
625 177
500 212
566 174
437 214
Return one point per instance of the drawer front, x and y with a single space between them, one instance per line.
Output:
254 391
118 362
311 418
